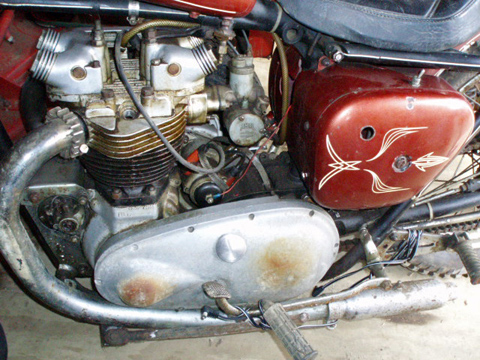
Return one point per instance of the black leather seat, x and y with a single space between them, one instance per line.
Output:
414 25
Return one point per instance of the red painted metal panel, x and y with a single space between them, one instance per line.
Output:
236 8
364 137
15 60
261 42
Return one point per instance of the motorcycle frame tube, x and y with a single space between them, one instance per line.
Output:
265 15
437 60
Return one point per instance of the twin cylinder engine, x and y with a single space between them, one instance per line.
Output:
134 229
125 154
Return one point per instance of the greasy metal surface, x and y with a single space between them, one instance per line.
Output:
281 261
133 138
349 124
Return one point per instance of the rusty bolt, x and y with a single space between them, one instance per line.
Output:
116 194
83 200
108 94
78 73
174 69
241 118
34 197
147 91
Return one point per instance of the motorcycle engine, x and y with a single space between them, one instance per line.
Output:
126 215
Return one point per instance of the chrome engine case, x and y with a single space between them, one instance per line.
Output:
250 247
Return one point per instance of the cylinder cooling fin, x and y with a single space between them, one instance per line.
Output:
138 159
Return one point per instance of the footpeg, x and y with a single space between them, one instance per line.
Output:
218 292
287 332
463 247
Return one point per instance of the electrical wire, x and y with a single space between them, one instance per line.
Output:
141 109
406 252
254 156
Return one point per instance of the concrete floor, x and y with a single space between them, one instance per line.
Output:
35 333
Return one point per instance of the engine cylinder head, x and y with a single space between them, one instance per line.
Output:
48 40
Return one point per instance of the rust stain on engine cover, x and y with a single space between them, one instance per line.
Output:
144 290
285 262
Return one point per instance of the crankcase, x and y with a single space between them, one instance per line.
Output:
259 249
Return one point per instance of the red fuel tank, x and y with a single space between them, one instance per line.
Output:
364 137
236 8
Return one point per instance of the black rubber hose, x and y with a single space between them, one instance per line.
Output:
379 230
33 103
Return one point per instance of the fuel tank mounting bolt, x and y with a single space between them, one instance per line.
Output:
402 163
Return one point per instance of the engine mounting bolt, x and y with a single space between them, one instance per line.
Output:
78 73
174 69
83 148
147 91
83 201
151 189
74 239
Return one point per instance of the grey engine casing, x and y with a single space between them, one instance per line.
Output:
259 249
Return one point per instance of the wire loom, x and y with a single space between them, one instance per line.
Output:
406 252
